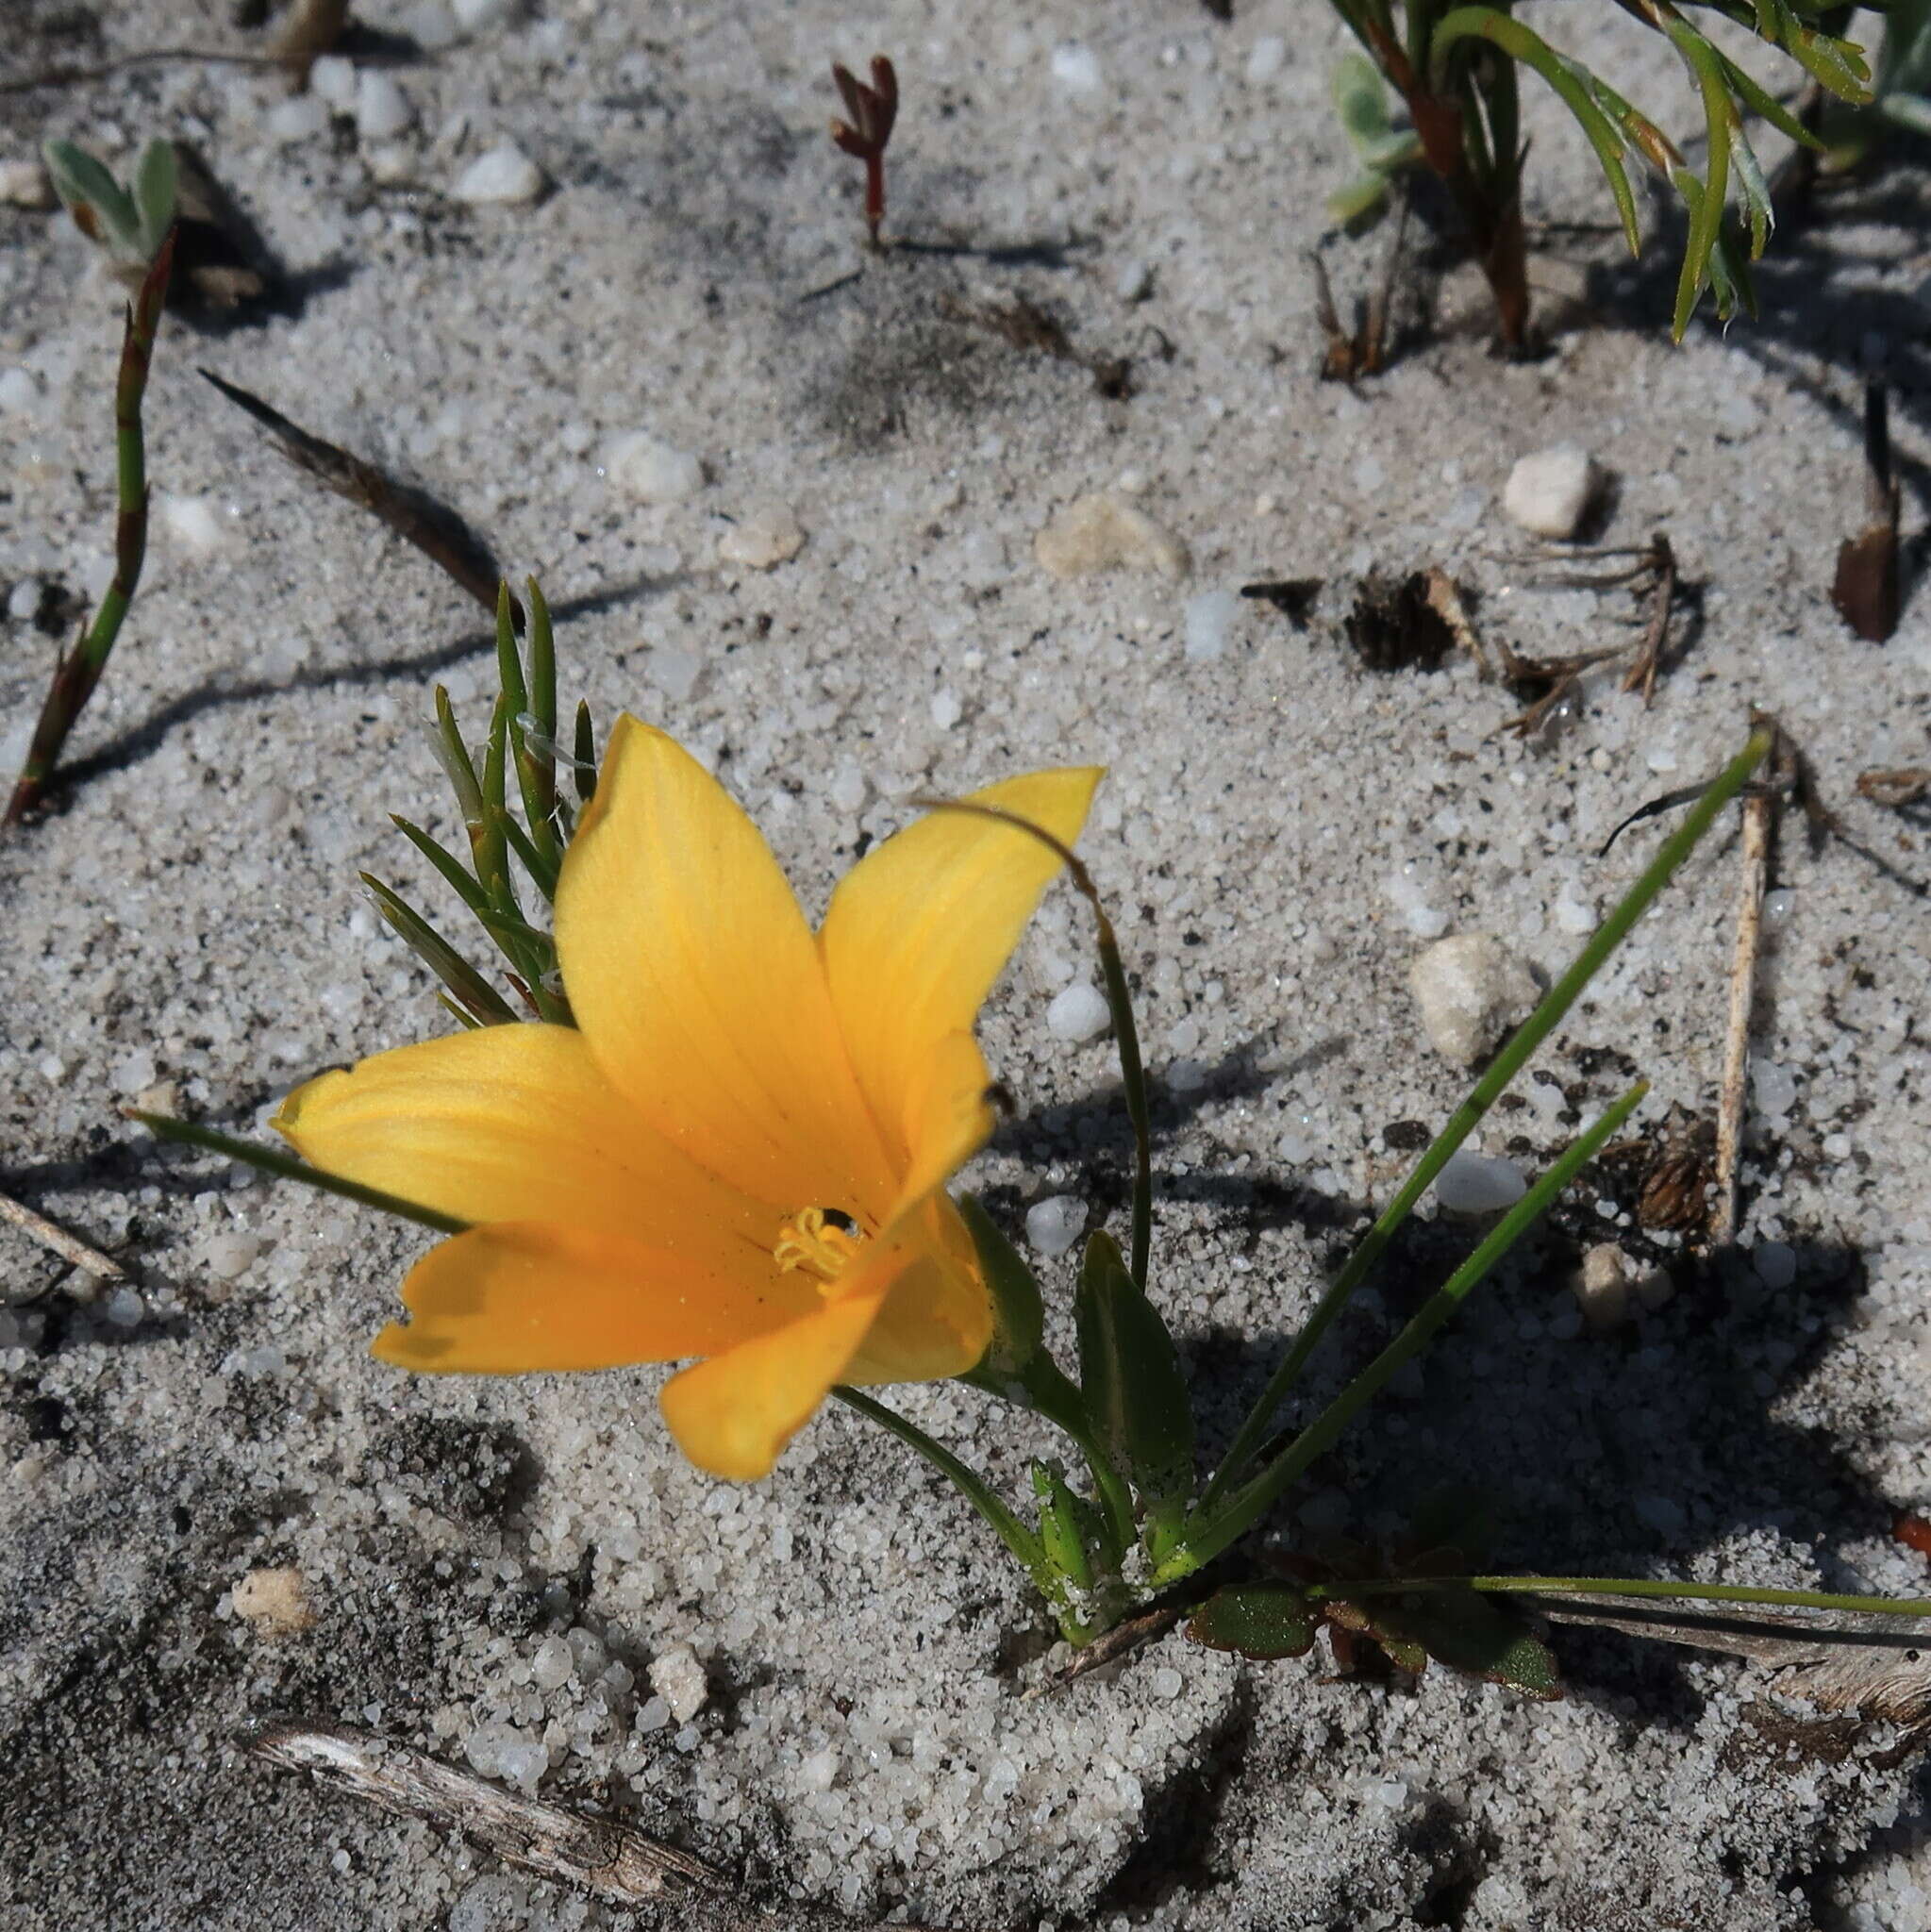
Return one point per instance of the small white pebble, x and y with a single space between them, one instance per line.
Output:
1266 58
430 25
23 600
1772 1088
678 1678
473 16
1077 68
504 176
301 117
1549 492
124 1307
390 163
20 393
193 521
275 1600
135 1071
650 469
1135 280
946 708
1209 618
382 109
1079 1012
1054 1224
1602 1287
848 787
332 80
231 1255
1470 991
24 183
1479 1184
762 541
1105 532
675 672
553 1664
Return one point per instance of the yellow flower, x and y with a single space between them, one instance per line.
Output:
741 1154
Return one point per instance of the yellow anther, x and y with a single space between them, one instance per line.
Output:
815 1246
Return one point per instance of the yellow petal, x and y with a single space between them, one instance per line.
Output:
912 1307
919 929
527 1296
515 1124
698 986
937 1321
731 1415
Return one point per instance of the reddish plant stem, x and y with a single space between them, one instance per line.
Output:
80 668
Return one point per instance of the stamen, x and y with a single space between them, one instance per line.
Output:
814 1244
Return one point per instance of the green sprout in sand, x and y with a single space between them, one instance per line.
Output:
136 226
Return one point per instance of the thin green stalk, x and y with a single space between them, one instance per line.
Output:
1119 1005
970 1484
79 669
272 1160
1633 1586
1208 1532
1487 1091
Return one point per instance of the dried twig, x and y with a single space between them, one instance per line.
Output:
58 1239
1759 809
431 527
1659 560
612 1861
1121 1640
1897 788
1865 588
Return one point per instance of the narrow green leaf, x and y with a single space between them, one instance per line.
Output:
1019 1313
1260 1620
586 749
453 754
542 706
1130 1375
452 868
465 983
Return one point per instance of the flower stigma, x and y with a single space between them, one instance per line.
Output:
818 1241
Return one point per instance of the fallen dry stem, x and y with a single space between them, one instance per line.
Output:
611 1861
62 1244
431 527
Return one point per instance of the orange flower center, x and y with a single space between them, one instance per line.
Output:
816 1241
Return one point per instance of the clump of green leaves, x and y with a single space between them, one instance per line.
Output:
1456 68
504 848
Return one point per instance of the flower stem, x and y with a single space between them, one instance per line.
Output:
272 1160
970 1484
1209 1532
79 670
1487 1091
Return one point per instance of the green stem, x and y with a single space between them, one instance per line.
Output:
1119 1005
1208 1532
272 1160
970 1484
1488 1090
1633 1586
79 670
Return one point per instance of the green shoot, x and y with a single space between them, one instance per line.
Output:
137 228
